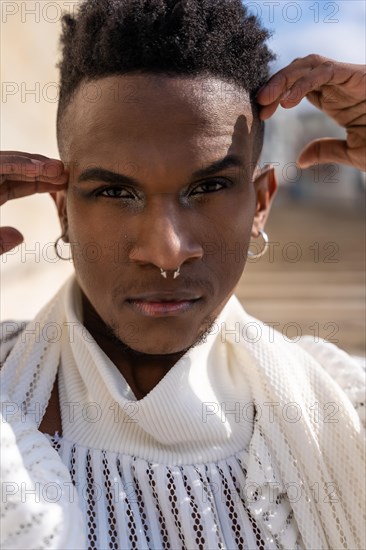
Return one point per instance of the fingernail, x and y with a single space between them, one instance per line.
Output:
52 170
285 95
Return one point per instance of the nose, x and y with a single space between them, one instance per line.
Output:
165 239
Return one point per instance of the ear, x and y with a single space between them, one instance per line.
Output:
60 201
265 184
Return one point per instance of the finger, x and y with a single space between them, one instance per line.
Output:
324 150
268 110
285 78
30 164
23 157
31 177
29 156
312 81
31 168
303 87
10 164
9 239
10 190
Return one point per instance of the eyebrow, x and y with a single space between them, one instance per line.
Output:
230 161
98 173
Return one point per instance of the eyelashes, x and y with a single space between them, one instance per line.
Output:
211 186
124 193
117 192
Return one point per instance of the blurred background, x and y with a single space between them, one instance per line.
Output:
312 279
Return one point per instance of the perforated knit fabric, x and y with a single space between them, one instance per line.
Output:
232 449
132 503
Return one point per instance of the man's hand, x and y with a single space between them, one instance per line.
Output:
339 90
21 175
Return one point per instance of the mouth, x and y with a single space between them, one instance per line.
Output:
163 305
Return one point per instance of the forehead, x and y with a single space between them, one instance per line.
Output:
144 114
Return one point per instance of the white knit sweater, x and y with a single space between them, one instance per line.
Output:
187 466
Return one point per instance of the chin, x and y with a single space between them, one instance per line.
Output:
158 342
152 348
161 350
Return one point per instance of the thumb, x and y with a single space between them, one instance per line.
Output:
325 150
9 239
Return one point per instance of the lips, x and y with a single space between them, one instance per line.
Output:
163 303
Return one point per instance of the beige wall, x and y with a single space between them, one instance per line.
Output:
29 55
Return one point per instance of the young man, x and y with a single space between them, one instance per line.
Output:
174 433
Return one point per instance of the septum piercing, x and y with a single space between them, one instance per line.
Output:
176 274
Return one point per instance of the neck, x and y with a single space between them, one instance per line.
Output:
141 371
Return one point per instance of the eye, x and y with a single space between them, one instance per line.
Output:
210 186
115 192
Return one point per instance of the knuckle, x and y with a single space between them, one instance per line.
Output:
316 59
328 64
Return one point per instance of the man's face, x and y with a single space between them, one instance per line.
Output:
141 198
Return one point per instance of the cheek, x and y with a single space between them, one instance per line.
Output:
231 231
98 247
226 253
